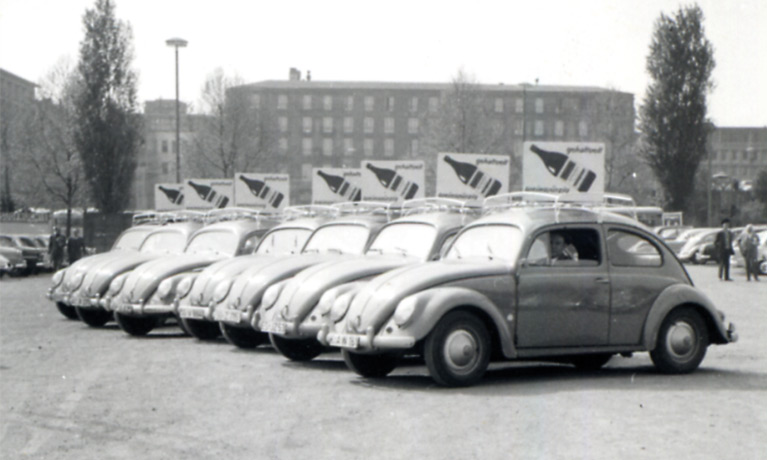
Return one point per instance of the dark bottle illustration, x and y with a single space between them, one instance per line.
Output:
263 191
173 195
561 166
393 181
474 178
208 194
341 186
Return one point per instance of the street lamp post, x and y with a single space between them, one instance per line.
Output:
177 43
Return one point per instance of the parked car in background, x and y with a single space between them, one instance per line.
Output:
670 232
699 249
14 259
737 258
677 243
32 254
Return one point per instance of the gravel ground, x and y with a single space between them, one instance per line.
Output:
68 391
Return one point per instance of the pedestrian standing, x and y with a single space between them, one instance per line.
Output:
748 243
75 246
56 244
723 250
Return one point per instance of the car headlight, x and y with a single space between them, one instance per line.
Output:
326 302
183 288
164 288
405 310
271 294
58 277
222 290
341 306
117 284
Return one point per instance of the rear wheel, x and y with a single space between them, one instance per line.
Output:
763 267
371 366
66 310
136 325
682 342
457 351
241 337
296 350
201 330
94 317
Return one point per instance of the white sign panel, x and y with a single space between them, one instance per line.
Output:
575 169
335 185
392 180
208 193
262 191
472 177
168 197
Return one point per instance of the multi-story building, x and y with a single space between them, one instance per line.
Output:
17 99
738 153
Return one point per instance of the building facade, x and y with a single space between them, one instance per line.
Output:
738 154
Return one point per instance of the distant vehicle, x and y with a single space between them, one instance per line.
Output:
670 232
677 243
699 249
737 258
15 263
33 255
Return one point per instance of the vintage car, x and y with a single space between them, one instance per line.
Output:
167 240
15 262
677 243
143 298
236 301
32 254
761 253
65 281
196 291
699 249
305 302
510 288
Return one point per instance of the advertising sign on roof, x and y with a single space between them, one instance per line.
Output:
574 169
169 197
472 177
393 181
336 185
208 193
262 191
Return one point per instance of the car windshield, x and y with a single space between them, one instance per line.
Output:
164 242
27 242
406 239
131 240
6 242
489 242
284 241
215 242
339 239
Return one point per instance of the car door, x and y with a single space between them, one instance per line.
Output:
564 304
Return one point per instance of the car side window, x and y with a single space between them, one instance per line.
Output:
628 249
446 245
576 247
250 244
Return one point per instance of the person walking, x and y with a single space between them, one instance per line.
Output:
75 246
748 243
56 244
723 250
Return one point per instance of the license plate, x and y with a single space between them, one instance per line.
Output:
125 308
227 315
192 313
274 327
344 341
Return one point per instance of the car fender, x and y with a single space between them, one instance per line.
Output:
435 303
677 295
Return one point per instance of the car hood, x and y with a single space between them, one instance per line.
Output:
98 278
304 290
206 281
376 302
87 264
144 279
12 254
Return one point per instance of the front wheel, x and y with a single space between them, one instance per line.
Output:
137 326
201 330
296 350
682 342
372 366
94 317
763 267
243 338
457 351
69 312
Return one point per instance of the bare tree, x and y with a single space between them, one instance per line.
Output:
234 134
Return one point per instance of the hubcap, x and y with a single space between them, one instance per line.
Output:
681 340
461 350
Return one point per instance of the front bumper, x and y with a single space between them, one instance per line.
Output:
138 309
367 342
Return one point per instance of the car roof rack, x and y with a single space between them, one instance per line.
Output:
146 217
611 202
436 204
348 208
238 213
308 211
172 217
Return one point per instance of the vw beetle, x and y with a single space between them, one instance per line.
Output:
197 293
306 300
143 298
503 292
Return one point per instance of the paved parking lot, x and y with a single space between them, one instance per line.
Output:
72 392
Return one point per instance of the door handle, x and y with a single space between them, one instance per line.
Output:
601 280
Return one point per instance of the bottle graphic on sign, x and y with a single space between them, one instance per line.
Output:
391 180
561 166
173 195
341 186
263 191
474 178
208 194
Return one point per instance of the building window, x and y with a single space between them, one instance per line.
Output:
389 103
327 103
306 170
327 125
369 126
348 125
307 102
255 99
348 147
433 104
498 105
349 103
539 127
306 146
283 146
412 125
282 101
583 128
283 123
519 105
164 146
368 103
414 104
389 147
414 147
307 124
538 105
327 147
559 128
368 147
389 125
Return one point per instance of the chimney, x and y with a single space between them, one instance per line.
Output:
295 74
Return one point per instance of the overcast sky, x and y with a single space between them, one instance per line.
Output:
568 42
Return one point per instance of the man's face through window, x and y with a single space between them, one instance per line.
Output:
557 246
